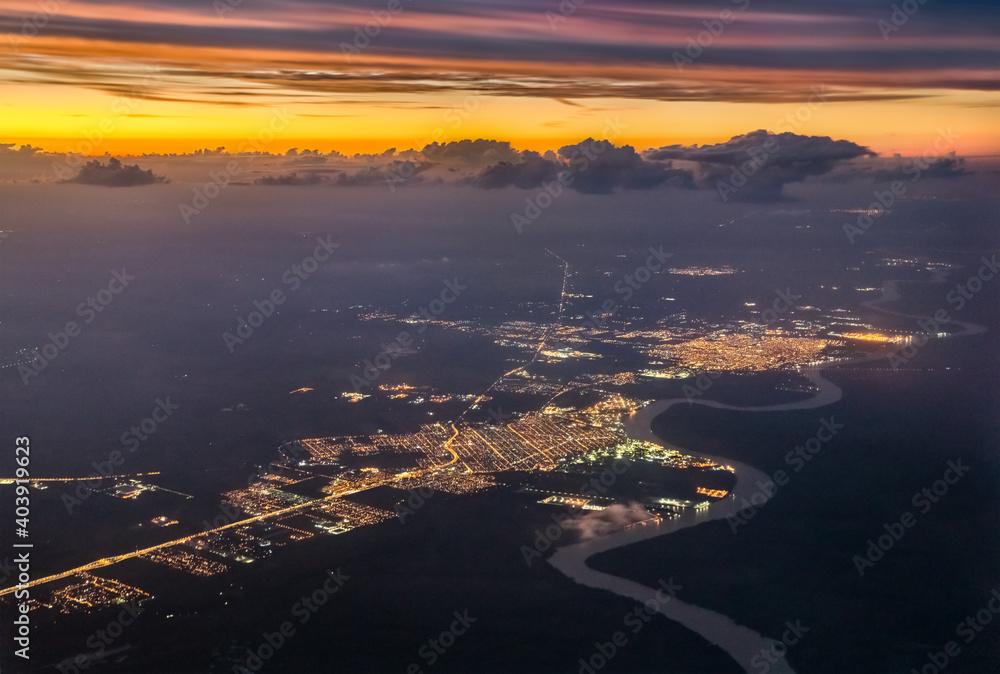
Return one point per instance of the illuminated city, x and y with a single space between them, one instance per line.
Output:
450 337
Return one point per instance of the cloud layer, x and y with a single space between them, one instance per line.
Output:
767 50
756 166
114 174
591 167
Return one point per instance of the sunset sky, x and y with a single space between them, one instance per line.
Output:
159 76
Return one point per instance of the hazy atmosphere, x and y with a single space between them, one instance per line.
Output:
427 337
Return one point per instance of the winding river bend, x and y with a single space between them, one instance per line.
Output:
740 642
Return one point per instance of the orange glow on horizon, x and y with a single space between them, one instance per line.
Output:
885 146
165 96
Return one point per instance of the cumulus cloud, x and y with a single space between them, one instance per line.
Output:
603 522
596 167
477 151
306 159
8 148
207 152
752 167
599 168
531 170
292 178
756 166
114 174
394 173
945 167
388 155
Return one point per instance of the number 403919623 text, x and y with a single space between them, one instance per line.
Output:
22 453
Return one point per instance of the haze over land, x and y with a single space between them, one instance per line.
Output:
507 336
